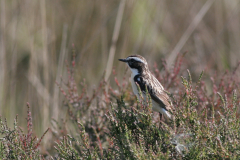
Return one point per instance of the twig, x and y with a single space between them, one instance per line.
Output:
59 72
114 39
188 32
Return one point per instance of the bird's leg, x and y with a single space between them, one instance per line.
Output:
160 116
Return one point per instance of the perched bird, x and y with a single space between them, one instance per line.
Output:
144 78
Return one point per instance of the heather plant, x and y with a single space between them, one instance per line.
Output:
85 137
15 144
111 123
97 123
209 136
206 125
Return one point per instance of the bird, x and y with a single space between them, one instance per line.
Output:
142 76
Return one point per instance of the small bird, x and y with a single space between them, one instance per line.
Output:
142 76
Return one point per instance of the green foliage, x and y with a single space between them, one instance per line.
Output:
112 124
134 134
36 37
14 144
204 127
211 137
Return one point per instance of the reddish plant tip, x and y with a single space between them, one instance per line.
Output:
73 63
114 71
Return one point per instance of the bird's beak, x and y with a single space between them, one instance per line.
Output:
123 60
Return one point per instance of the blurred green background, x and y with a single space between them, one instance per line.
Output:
36 37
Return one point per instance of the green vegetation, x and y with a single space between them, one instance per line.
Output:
17 145
120 127
62 58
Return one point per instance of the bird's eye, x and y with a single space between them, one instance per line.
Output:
131 61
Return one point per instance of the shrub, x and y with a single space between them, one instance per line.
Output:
206 125
112 124
15 144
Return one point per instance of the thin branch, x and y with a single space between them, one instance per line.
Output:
114 39
188 32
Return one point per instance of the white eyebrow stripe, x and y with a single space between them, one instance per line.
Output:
137 59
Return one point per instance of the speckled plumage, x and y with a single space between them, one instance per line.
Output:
144 78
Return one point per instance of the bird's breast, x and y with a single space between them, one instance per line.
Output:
134 86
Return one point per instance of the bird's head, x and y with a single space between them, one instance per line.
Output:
136 63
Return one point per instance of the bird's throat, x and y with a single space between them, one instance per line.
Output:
134 71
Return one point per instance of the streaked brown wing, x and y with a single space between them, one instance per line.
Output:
162 99
155 90
159 95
